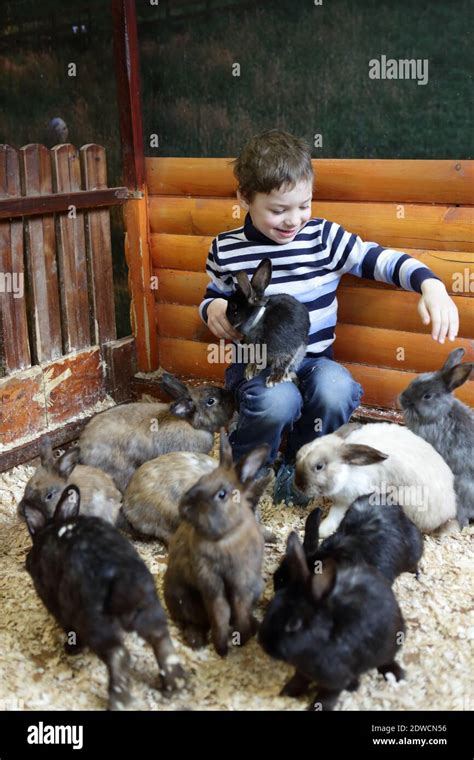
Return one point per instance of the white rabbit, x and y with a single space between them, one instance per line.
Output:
382 459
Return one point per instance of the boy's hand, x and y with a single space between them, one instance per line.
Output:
217 321
437 307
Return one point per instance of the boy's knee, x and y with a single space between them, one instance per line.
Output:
332 386
278 404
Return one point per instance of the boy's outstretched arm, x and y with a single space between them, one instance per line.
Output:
374 262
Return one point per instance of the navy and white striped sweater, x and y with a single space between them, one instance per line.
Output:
309 268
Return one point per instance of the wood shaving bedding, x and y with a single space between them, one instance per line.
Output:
37 675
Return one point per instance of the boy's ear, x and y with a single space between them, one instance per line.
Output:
261 277
68 504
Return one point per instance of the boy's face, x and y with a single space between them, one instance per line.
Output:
282 213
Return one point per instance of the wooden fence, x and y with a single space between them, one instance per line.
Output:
59 356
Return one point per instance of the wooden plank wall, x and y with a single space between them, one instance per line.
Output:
422 207
58 350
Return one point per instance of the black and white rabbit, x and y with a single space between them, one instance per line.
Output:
384 537
332 626
279 323
94 583
432 412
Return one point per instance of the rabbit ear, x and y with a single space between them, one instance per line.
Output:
244 283
68 504
297 564
184 408
251 462
35 519
345 430
46 453
359 454
173 386
66 463
311 532
261 277
225 451
455 357
457 375
322 583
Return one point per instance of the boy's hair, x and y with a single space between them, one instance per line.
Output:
272 159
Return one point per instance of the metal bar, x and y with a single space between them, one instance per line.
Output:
47 204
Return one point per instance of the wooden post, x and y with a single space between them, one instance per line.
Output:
127 68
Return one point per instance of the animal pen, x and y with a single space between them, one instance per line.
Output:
62 362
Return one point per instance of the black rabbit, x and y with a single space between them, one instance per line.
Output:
332 626
279 323
382 536
96 586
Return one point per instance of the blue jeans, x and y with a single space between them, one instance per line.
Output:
324 400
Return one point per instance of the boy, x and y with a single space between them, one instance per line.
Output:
309 256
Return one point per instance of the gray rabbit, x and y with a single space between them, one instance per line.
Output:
432 412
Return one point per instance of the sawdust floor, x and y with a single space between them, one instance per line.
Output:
36 674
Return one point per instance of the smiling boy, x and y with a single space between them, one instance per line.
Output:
309 256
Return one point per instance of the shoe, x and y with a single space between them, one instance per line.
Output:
285 489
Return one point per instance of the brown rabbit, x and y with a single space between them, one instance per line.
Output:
121 439
100 497
151 499
214 573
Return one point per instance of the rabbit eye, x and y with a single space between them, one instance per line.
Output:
50 495
427 396
293 625
222 494
210 401
320 466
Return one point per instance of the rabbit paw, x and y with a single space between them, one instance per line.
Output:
195 637
173 677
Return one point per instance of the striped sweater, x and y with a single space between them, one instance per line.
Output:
309 267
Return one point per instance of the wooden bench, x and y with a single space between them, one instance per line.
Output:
421 207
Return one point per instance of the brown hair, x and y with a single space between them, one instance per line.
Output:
272 159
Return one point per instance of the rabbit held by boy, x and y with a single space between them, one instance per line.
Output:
332 626
383 537
151 499
280 323
432 412
93 582
124 437
214 574
385 460
99 496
